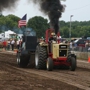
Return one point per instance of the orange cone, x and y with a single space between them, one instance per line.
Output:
89 59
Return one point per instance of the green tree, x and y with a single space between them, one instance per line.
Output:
8 22
39 24
64 32
12 21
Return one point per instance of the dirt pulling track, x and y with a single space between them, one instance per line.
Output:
14 78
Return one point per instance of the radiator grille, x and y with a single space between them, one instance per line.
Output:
63 50
62 46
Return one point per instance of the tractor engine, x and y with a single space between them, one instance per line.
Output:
59 50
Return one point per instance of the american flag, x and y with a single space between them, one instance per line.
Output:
22 21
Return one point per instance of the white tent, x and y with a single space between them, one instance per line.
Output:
9 34
1 35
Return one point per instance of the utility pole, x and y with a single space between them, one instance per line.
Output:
70 26
0 11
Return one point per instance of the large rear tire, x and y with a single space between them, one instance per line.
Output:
40 57
49 64
22 60
73 64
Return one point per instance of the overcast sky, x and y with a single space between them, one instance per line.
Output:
78 8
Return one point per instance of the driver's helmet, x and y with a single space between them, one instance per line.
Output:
52 34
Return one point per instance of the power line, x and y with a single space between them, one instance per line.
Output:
79 7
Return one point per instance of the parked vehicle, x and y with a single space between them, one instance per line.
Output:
80 42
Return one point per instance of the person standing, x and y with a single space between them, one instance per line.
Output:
71 45
87 45
18 44
12 44
4 44
8 44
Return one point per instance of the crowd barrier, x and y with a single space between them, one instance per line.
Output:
81 49
82 53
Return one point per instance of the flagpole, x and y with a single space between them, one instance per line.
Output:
23 22
26 20
25 32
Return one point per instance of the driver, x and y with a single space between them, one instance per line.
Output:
53 37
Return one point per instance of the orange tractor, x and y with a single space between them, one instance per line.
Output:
53 53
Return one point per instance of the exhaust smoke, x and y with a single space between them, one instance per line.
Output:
54 9
7 4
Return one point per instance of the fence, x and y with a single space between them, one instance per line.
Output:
81 52
81 49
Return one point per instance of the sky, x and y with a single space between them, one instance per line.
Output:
78 8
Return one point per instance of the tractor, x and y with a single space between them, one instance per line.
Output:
55 53
26 53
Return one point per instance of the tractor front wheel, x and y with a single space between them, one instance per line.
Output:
49 64
73 64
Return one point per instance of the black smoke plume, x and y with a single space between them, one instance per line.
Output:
54 9
7 4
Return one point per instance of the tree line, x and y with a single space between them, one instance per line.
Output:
40 24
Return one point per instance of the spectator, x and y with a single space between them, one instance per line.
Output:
75 44
89 46
12 44
4 44
86 45
18 44
89 43
70 45
8 44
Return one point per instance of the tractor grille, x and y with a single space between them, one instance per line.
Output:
62 46
63 50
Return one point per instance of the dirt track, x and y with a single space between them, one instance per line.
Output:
14 78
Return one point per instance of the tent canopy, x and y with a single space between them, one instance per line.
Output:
10 32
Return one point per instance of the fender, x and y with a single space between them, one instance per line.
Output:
73 55
69 57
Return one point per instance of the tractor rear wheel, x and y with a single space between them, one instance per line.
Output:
22 60
40 57
73 64
49 64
